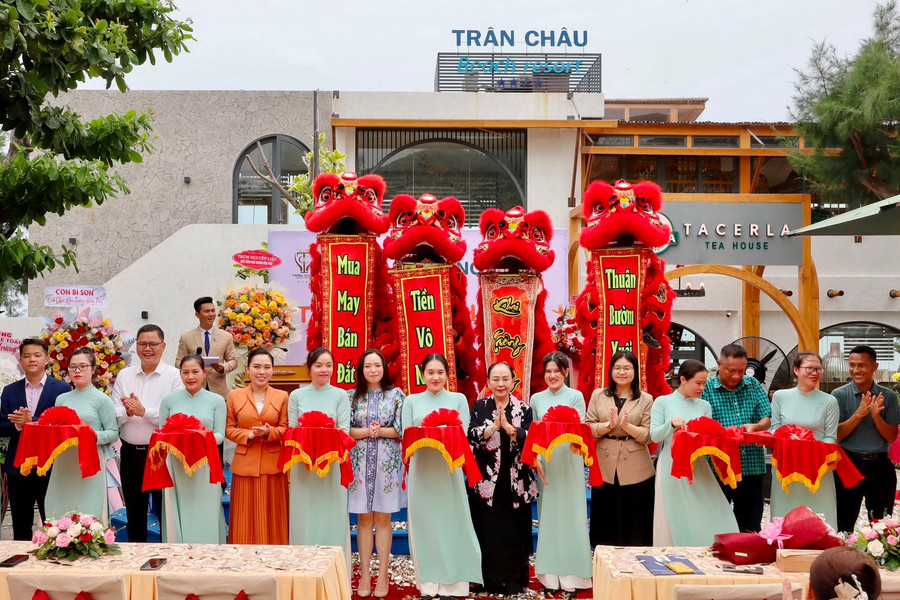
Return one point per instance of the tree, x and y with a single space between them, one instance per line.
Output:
848 109
57 161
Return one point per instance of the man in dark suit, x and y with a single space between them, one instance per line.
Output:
22 402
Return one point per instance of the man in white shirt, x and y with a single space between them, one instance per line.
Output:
137 395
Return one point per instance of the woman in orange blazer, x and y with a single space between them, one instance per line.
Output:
256 421
619 416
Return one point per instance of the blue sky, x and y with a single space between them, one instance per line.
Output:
738 54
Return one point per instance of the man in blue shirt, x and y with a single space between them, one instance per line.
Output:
739 400
870 414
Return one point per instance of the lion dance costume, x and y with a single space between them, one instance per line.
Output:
627 302
348 271
512 325
425 242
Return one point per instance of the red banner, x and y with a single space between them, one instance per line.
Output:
508 306
620 275
425 322
348 283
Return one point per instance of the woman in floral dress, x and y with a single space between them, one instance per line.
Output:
375 413
501 502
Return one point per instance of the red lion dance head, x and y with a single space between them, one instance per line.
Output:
514 241
623 215
347 205
425 230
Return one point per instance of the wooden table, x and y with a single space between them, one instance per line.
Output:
303 572
618 575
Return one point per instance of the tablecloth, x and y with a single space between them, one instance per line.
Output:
303 572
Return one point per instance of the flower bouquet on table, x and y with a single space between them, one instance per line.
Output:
67 332
881 541
72 536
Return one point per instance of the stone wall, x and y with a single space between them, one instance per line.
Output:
198 134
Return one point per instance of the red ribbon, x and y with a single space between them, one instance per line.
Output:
707 437
449 440
545 436
315 418
317 448
561 414
798 456
59 415
185 438
41 444
242 595
442 417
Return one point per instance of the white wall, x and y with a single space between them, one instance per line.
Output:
467 105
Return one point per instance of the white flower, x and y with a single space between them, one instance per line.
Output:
53 532
879 526
75 530
865 531
875 548
96 526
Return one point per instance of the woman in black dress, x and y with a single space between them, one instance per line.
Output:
501 503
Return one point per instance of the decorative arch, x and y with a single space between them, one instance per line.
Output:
809 340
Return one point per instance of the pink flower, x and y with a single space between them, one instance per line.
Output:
63 540
39 538
64 523
892 522
892 540
110 536
871 534
853 538
86 520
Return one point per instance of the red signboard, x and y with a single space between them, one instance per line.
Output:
425 322
620 274
348 265
257 260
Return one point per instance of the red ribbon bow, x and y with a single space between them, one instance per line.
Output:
443 417
181 422
561 414
59 415
704 436
795 432
315 418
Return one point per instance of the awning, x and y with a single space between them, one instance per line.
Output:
880 218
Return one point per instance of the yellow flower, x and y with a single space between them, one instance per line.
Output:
254 310
273 305
63 344
259 323
243 298
895 377
106 322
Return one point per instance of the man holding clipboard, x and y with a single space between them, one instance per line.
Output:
215 345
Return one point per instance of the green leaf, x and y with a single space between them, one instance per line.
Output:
25 9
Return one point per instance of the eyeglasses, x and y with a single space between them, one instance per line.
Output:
151 345
623 369
814 370
78 368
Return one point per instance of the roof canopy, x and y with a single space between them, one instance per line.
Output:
880 218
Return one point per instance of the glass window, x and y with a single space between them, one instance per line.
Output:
604 167
614 113
836 341
255 201
641 168
774 141
715 141
452 169
681 175
612 140
774 175
662 141
718 175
